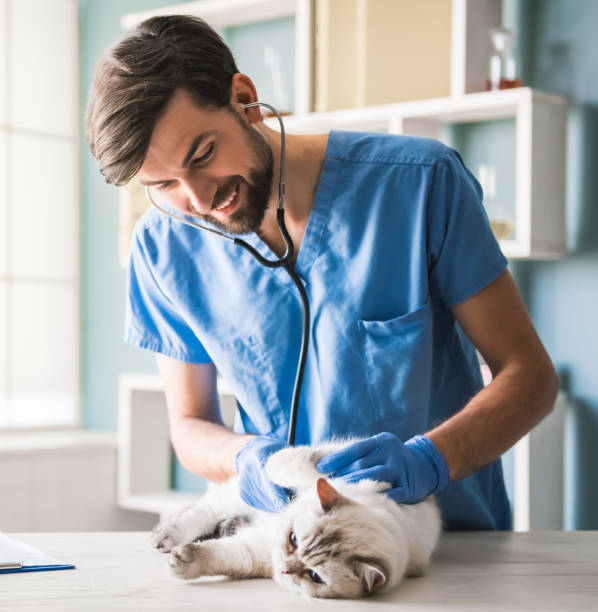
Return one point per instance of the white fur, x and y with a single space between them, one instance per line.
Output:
387 540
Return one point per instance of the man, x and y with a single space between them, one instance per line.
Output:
403 276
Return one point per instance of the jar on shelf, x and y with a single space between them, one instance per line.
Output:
503 65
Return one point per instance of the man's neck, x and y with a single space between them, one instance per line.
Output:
304 158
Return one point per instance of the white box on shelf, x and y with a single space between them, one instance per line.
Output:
358 44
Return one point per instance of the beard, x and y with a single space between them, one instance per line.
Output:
250 214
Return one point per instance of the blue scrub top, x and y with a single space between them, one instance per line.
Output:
396 237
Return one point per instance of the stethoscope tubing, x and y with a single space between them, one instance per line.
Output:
283 262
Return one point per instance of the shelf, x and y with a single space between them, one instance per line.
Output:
29 442
145 451
162 503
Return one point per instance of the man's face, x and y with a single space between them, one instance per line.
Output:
209 164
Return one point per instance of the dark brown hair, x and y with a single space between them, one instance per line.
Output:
135 79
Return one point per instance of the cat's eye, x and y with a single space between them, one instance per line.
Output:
293 540
314 577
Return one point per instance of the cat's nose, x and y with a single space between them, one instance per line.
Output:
285 570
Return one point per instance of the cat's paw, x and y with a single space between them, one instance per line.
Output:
180 527
185 561
166 535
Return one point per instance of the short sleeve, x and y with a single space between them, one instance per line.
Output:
152 321
463 254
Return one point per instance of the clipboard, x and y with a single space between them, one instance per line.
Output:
17 557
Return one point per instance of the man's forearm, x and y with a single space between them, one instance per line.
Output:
206 448
499 415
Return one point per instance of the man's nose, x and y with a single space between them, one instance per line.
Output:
200 194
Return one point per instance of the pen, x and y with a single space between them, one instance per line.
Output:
11 564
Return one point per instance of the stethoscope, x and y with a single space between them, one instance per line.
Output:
283 262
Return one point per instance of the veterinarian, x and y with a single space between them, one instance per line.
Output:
403 275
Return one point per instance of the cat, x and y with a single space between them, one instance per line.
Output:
334 539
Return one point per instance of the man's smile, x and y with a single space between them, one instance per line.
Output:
229 205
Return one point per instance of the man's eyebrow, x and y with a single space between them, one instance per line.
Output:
150 183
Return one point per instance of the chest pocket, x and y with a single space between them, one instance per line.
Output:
398 356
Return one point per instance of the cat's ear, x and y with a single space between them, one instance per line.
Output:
371 575
329 496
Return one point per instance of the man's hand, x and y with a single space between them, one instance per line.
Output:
255 487
414 469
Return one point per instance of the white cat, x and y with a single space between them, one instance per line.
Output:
334 539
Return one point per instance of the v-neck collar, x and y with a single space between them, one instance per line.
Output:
315 226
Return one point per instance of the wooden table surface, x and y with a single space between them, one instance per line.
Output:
470 571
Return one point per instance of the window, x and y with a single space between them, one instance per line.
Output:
39 245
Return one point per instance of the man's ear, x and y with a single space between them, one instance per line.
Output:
372 577
243 91
329 496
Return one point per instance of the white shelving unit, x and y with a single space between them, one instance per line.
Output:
145 452
540 146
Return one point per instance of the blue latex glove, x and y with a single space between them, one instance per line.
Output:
414 469
255 487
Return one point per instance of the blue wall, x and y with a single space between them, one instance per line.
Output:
104 355
559 56
266 52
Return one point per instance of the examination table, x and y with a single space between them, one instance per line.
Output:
542 570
